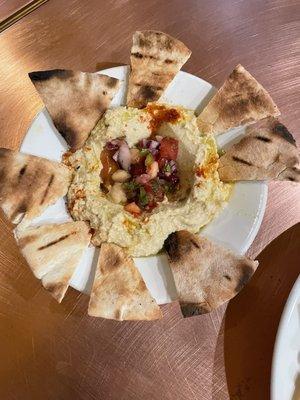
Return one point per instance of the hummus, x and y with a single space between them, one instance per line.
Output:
202 194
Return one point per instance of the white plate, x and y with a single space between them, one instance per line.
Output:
236 227
286 357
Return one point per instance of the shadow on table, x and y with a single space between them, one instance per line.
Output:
252 319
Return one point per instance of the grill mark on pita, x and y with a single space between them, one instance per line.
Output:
263 139
140 55
56 241
240 160
281 130
22 172
246 274
104 92
168 61
45 75
227 277
290 178
47 189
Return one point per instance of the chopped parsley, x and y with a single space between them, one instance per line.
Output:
143 198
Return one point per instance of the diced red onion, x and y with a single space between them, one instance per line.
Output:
154 152
116 156
124 156
114 144
153 144
142 179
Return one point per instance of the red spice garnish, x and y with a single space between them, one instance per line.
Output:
160 114
209 168
109 166
65 158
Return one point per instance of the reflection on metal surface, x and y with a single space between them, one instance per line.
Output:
22 12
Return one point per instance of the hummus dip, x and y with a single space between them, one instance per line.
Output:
201 196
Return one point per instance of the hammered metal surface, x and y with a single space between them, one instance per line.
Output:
53 351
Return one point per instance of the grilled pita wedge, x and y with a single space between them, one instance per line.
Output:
268 152
75 100
29 184
206 275
155 60
53 252
119 291
241 100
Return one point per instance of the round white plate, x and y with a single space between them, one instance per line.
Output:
285 378
236 227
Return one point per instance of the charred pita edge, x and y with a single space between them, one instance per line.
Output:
280 130
246 274
37 76
57 290
112 82
193 309
171 245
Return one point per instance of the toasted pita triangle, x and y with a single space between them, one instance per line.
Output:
268 152
119 291
206 275
155 60
241 100
75 100
29 184
53 252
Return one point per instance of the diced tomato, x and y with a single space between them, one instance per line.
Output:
162 162
148 187
109 166
169 148
133 208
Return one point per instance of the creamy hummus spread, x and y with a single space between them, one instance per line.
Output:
200 197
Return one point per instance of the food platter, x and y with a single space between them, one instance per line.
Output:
286 365
235 227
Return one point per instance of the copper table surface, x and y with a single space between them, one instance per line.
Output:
52 351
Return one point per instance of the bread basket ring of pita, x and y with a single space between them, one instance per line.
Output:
143 174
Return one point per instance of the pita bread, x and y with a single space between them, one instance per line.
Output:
75 100
155 60
241 100
206 275
268 152
53 252
119 291
29 184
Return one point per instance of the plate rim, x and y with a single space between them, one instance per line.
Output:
287 311
263 194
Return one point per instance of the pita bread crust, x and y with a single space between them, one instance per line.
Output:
53 252
267 152
206 275
241 100
155 60
119 291
75 100
29 184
